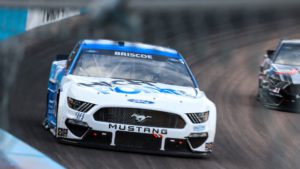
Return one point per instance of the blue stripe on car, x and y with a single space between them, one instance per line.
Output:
75 59
131 49
191 74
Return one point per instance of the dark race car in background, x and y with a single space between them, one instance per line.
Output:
279 78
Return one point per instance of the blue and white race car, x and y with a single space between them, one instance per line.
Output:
129 96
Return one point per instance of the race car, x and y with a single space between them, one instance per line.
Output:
279 78
131 97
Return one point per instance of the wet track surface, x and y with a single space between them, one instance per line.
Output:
226 65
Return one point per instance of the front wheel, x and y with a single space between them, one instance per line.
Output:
258 91
45 122
56 113
50 121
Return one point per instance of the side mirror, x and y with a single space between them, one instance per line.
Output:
61 57
269 54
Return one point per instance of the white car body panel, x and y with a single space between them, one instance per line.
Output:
190 101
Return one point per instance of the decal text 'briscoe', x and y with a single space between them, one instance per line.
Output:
134 55
139 129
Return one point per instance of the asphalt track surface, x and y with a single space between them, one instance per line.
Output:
226 65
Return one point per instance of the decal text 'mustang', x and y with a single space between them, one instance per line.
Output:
139 129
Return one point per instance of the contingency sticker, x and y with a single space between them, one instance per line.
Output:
62 132
199 128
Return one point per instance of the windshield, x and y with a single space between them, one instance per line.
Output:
289 54
157 69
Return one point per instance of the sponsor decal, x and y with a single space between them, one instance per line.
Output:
134 55
140 101
61 132
117 86
209 146
138 129
287 72
126 90
199 128
79 116
140 118
276 90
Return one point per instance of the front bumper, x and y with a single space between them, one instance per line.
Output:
281 99
138 142
193 139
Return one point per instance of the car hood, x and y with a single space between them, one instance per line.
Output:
287 73
121 92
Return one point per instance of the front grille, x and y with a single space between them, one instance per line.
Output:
137 140
131 116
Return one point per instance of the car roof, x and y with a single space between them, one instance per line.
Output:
130 47
291 41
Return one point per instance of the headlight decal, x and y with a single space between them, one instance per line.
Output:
198 117
79 105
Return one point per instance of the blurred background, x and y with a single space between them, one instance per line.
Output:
222 40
